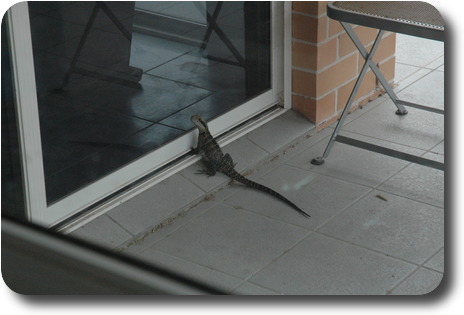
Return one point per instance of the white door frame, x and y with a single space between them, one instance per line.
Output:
19 33
38 210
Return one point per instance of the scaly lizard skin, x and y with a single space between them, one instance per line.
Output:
217 161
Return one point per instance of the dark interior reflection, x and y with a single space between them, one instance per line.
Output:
116 80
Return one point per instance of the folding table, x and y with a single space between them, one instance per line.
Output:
407 17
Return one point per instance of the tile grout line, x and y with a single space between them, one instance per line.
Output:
409 275
371 188
308 232
235 291
278 257
193 263
368 249
167 61
391 142
398 91
428 259
257 144
122 227
409 198
406 277
140 237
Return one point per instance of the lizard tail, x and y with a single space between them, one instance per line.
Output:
245 181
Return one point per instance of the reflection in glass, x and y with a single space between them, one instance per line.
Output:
116 80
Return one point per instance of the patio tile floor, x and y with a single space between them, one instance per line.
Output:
355 241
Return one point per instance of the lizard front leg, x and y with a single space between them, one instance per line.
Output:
210 169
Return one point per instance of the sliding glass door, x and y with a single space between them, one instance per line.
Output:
105 90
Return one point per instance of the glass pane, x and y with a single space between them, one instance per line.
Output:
116 80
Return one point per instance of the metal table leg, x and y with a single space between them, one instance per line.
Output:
367 63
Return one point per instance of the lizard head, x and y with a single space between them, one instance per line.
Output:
199 122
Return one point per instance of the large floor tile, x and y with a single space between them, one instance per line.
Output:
244 153
437 262
397 226
190 270
280 131
230 240
417 51
170 225
439 148
402 71
421 282
324 266
286 153
319 195
411 79
350 164
418 129
102 231
438 64
384 143
154 205
419 183
429 91
248 288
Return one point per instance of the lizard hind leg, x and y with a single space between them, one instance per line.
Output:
228 160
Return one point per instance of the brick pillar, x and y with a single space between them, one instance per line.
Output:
325 63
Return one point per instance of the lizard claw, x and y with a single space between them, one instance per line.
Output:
202 172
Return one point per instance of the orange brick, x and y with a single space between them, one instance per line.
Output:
310 7
334 27
314 57
315 110
322 28
367 86
345 45
304 55
305 106
335 75
325 107
310 29
322 6
326 53
303 83
335 82
386 49
366 35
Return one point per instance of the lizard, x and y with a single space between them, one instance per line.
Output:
216 161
